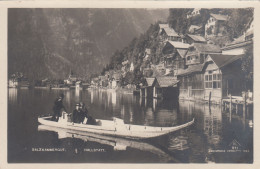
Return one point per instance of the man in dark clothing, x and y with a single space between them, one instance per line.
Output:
76 115
84 114
58 108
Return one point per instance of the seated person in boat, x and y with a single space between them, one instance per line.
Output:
58 108
84 114
76 115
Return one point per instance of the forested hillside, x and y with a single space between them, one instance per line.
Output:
238 19
51 42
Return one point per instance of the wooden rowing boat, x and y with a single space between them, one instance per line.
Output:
117 127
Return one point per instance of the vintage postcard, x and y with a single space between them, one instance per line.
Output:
129 83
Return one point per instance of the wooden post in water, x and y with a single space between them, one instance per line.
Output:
244 104
230 104
236 108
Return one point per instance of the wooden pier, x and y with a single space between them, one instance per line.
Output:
237 104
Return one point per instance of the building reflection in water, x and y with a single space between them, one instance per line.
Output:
67 97
77 96
208 119
114 98
131 116
213 123
154 104
149 116
91 96
179 143
122 111
12 95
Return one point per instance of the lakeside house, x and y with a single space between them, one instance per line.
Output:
13 83
194 29
147 53
239 44
174 56
115 80
72 79
219 76
18 82
166 33
103 81
195 12
199 51
215 25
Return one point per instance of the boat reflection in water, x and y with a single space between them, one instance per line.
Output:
118 144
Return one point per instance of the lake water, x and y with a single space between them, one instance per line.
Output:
215 136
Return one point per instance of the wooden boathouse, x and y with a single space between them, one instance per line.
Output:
165 87
147 89
218 77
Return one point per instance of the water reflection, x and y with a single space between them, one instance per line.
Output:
114 98
77 95
118 144
212 124
12 95
212 128
92 96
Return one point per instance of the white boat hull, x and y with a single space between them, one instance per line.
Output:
113 128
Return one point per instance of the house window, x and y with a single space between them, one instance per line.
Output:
212 80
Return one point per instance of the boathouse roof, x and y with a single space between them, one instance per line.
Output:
150 81
190 69
222 60
167 81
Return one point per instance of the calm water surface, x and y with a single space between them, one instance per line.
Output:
213 130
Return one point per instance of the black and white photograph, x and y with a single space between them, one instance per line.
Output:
130 85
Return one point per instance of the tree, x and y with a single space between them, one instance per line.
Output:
247 67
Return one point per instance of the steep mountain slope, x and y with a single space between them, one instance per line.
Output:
51 42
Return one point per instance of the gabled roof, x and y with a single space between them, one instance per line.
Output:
197 38
237 43
170 32
190 69
193 28
150 81
238 40
167 81
192 53
208 48
179 45
163 26
220 17
222 60
182 52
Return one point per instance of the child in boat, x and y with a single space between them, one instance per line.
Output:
58 108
